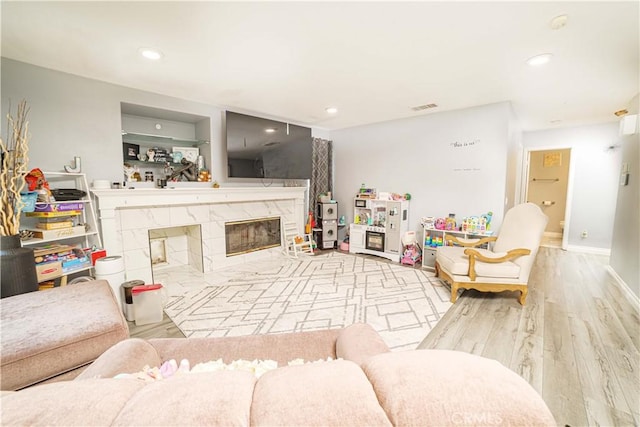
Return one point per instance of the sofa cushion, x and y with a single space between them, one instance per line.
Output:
444 387
358 342
221 398
453 260
67 403
210 398
47 333
324 393
125 357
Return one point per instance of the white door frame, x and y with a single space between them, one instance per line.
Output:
526 156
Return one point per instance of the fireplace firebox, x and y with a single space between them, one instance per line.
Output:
251 235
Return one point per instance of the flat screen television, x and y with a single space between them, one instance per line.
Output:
263 148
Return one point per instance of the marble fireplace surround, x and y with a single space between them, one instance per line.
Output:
127 215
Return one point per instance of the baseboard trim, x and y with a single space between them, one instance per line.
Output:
633 298
589 250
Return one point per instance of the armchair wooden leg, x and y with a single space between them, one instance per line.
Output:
454 292
523 296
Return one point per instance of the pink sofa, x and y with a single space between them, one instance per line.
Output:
367 385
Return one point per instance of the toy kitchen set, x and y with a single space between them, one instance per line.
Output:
380 221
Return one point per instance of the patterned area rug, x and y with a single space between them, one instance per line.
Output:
317 292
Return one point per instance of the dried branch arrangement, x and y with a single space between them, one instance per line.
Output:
14 168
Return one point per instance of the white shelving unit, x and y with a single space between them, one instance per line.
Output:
145 142
89 238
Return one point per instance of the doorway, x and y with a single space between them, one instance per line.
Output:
547 185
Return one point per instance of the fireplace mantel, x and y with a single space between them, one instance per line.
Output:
114 199
127 215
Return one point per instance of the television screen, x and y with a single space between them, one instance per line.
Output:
263 148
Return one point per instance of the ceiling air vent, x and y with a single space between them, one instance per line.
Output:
424 107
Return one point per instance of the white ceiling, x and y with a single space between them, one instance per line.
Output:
373 61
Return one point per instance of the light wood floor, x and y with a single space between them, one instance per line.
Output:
577 340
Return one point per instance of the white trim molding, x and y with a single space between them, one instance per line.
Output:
589 250
633 298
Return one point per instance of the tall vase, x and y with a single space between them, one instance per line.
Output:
17 268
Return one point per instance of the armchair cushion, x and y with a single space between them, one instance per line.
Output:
454 260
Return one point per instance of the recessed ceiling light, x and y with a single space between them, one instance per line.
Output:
558 22
149 53
269 130
331 110
539 59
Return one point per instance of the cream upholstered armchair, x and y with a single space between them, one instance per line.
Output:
504 267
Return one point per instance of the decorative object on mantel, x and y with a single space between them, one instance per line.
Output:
17 266
204 175
130 172
187 170
77 166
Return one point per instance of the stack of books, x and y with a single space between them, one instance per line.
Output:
56 224
56 260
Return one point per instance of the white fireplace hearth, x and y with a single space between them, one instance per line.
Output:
128 216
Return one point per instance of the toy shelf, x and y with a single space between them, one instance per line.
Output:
429 250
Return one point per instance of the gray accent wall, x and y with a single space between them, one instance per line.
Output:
625 249
75 116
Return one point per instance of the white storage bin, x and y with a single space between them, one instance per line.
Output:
147 304
111 269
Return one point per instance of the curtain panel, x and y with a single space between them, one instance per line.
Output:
321 170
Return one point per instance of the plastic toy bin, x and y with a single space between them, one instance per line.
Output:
147 304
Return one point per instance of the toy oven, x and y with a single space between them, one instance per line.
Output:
360 203
375 241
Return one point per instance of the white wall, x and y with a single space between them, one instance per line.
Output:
594 180
418 156
514 161
625 251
